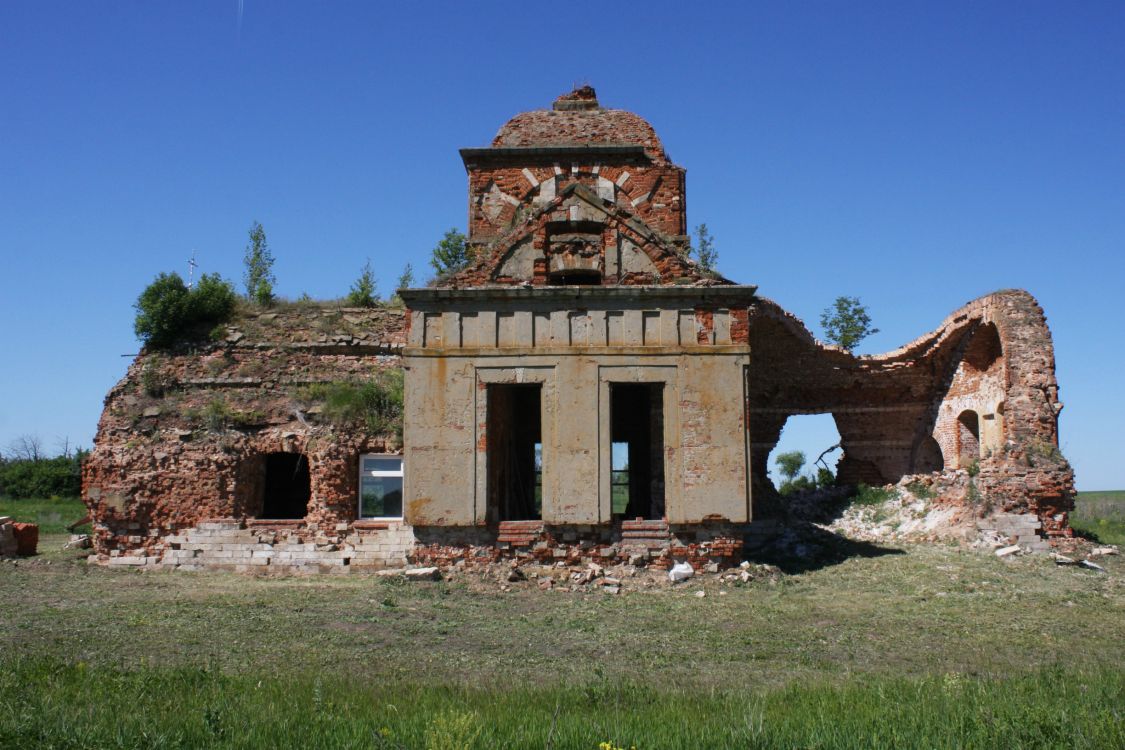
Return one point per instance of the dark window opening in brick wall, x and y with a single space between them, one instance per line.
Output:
287 486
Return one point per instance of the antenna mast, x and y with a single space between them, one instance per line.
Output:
191 270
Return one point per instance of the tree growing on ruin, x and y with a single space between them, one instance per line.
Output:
405 281
259 267
846 323
705 253
362 293
451 254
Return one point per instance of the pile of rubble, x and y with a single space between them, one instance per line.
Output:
919 512
591 577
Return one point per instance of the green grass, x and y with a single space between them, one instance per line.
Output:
52 514
1100 515
45 704
937 647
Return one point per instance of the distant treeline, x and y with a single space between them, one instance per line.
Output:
42 477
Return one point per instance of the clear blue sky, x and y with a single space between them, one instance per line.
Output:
917 155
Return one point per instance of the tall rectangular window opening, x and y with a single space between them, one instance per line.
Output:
515 452
380 486
637 450
287 487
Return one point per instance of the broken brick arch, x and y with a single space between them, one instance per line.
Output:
984 349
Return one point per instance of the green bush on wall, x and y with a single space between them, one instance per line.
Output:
167 311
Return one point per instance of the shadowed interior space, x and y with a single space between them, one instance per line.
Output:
287 488
514 451
637 437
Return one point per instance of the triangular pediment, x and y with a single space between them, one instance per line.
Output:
580 235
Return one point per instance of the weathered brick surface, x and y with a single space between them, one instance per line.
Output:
161 465
503 183
653 542
27 538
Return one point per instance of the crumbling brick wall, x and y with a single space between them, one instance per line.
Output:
898 413
180 435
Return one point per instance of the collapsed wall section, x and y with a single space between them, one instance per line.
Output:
977 396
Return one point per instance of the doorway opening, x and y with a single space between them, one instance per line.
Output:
515 452
637 450
287 486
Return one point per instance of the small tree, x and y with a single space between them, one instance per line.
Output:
259 267
362 293
451 254
791 464
705 253
846 323
405 281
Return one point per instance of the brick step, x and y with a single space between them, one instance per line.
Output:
517 541
525 526
520 533
641 524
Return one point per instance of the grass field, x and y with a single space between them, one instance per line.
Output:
936 647
53 515
1101 515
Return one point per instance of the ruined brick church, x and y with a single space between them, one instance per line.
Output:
581 391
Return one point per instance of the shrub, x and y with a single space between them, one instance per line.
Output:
921 490
824 477
45 477
1042 453
167 311
155 382
217 416
867 495
376 403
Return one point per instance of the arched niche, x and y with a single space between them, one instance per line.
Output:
927 456
968 437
